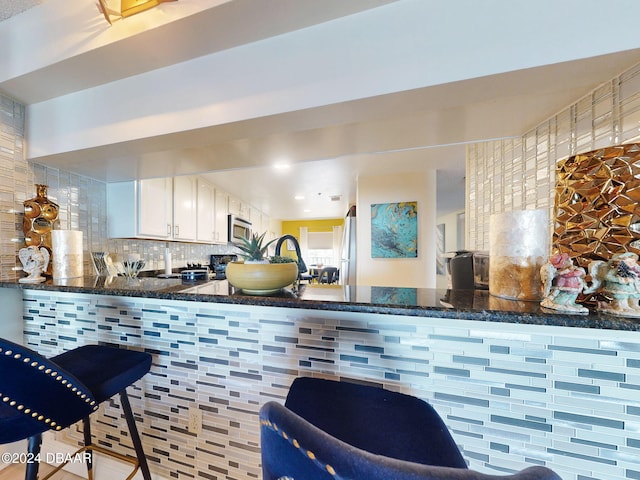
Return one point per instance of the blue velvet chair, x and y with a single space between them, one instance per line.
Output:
39 394
337 430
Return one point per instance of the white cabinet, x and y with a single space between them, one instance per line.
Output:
155 208
221 226
206 227
141 209
234 206
184 208
239 208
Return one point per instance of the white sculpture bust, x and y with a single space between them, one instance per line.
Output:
34 261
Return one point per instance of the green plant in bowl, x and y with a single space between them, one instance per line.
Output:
258 274
254 250
281 259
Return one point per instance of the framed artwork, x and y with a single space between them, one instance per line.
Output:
440 267
394 230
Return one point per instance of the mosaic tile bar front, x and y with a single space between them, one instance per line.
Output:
513 395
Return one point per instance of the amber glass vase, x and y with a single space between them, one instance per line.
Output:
40 216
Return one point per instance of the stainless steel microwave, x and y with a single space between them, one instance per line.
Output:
239 228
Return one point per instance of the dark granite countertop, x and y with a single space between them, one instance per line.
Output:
475 305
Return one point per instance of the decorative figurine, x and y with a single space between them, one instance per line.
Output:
562 283
618 279
35 261
40 218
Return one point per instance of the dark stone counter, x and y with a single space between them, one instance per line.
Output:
475 305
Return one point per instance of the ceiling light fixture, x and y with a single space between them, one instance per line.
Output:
299 197
126 8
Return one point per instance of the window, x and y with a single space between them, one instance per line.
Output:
320 250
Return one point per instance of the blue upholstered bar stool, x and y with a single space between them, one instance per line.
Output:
337 430
39 394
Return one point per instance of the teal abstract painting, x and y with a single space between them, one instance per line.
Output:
394 295
394 230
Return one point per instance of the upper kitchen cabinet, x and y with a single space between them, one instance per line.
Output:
240 209
205 228
164 209
185 214
155 210
185 209
221 226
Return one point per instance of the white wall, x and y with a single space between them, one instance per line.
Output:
11 325
417 272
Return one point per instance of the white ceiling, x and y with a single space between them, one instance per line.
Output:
328 146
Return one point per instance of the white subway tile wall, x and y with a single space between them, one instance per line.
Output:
16 184
518 174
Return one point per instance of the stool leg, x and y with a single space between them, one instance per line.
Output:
33 448
135 438
86 422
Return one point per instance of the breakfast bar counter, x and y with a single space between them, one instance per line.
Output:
420 302
516 385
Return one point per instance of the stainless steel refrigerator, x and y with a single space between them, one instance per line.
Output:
348 249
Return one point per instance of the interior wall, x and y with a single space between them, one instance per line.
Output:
417 272
519 174
292 227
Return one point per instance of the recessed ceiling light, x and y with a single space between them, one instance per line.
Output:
282 166
307 210
299 197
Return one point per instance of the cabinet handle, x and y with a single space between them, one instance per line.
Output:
176 230
168 229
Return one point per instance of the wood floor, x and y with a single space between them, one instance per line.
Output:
16 472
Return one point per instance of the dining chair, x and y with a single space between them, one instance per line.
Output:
328 275
38 394
329 430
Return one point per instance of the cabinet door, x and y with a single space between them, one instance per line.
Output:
234 206
222 217
184 208
206 212
155 208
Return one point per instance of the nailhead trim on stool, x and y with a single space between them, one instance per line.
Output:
47 371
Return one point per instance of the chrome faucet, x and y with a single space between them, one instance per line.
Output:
302 267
